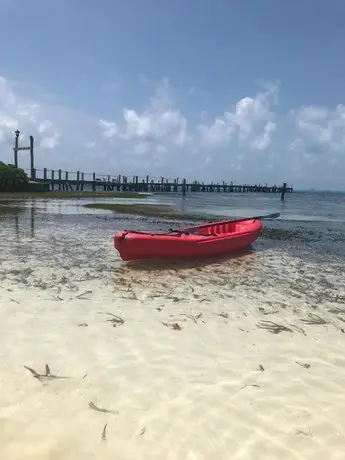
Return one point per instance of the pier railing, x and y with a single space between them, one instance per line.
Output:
79 181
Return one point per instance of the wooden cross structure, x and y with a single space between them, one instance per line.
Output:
16 148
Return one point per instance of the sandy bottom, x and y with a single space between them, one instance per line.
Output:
220 361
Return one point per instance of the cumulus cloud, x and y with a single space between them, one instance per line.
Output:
250 142
108 128
319 128
249 124
159 122
26 116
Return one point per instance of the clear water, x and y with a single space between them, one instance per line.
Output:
197 391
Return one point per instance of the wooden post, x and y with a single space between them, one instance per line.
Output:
59 176
32 163
78 176
52 180
45 174
16 148
93 182
282 197
82 182
17 132
184 187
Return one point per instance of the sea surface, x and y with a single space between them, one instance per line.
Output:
231 357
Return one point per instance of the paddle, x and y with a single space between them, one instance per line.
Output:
189 230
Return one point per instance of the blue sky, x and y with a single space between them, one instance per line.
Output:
249 91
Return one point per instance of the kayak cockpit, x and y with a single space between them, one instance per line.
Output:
222 229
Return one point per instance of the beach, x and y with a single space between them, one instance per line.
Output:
237 357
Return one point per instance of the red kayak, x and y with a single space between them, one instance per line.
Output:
202 240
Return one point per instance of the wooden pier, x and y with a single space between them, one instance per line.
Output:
59 180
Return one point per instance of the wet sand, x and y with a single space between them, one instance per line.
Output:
238 358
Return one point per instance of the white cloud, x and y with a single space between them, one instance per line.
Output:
251 141
108 128
26 116
160 121
263 141
44 126
250 124
320 127
50 142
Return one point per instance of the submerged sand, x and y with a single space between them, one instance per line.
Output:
239 358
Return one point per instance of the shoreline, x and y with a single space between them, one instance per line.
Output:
66 195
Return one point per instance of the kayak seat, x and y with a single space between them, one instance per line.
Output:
218 230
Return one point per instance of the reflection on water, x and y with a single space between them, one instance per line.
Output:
23 217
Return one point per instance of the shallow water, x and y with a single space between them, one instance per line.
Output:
236 357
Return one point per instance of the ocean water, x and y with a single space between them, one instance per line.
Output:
237 357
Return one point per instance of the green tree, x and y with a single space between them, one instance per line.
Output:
12 178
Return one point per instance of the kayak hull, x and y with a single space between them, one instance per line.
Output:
216 239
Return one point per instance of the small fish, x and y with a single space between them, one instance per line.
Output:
105 411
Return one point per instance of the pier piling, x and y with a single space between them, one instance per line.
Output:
282 196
